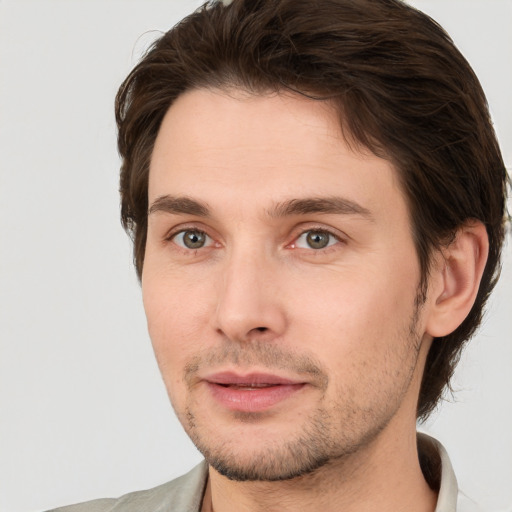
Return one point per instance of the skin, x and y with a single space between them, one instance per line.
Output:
258 297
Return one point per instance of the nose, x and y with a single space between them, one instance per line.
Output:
250 304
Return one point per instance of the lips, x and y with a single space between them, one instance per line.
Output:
251 379
253 392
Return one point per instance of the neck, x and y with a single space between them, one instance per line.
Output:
385 476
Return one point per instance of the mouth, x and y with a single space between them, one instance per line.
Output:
255 392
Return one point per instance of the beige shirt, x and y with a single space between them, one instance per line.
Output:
450 498
185 494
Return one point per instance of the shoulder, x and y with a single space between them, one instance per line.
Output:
89 506
184 493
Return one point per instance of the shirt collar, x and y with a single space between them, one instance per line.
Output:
448 488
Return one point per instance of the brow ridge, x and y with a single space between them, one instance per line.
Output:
179 205
305 206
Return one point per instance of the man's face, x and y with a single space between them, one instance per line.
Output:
279 284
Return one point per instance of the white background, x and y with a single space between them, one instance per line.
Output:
83 413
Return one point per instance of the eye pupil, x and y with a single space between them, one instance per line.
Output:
194 239
317 239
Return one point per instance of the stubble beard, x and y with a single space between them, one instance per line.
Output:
326 437
274 462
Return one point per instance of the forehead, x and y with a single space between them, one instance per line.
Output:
261 146
233 121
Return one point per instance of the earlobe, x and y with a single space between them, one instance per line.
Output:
457 278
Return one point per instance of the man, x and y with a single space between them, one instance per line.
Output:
317 203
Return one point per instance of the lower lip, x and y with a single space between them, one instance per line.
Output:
252 399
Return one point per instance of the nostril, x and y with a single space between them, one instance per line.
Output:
261 329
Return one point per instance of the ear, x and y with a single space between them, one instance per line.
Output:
456 279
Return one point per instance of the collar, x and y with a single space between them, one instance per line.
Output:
448 487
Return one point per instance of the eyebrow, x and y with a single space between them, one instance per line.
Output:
179 205
305 206
333 205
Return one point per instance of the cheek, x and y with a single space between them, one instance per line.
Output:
176 322
174 333
359 317
362 336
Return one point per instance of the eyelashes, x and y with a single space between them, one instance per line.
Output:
192 239
314 239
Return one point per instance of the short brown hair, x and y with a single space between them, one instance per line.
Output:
401 89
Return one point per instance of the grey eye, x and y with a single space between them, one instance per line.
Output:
318 239
315 239
191 239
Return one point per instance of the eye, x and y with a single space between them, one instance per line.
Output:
315 239
192 239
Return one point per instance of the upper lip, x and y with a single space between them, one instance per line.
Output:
254 378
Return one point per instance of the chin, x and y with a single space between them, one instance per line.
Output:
269 466
271 455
